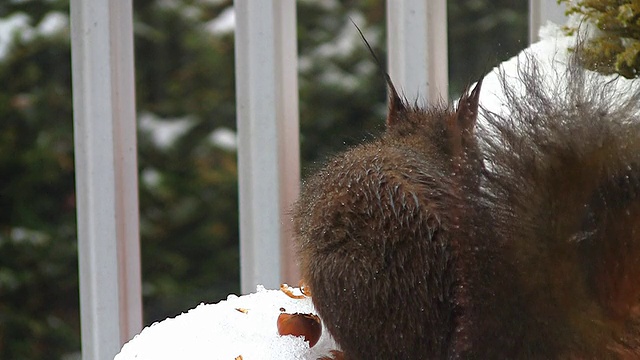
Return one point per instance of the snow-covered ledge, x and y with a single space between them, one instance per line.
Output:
243 326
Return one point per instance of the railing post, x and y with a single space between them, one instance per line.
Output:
106 175
268 146
541 11
417 48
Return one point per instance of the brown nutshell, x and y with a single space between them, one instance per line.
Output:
305 325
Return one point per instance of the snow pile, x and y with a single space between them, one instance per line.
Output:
239 326
552 55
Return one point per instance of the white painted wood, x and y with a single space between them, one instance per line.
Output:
417 48
106 175
268 156
541 11
289 141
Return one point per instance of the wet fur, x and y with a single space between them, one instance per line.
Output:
439 240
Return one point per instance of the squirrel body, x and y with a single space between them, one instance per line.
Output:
516 237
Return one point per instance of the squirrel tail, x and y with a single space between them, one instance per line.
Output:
563 176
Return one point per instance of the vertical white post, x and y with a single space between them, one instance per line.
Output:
106 175
268 155
289 140
541 11
417 48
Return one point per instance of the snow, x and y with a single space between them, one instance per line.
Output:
151 177
9 27
25 235
224 138
164 132
224 23
552 54
347 40
343 45
53 23
224 331
19 24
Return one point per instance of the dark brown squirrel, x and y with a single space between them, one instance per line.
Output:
516 237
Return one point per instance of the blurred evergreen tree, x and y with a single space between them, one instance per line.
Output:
188 187
38 264
186 104
615 48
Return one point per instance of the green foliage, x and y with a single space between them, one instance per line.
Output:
342 95
38 267
188 186
616 47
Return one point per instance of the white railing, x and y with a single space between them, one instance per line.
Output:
268 149
540 12
104 120
106 175
417 49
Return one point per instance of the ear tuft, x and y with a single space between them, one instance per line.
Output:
467 112
396 104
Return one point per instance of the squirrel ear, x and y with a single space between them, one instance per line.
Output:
460 124
467 112
396 105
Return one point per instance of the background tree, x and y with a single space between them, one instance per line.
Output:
615 48
187 160
38 265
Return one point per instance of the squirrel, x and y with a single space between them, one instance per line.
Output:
513 237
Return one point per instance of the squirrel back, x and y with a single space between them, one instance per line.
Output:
515 237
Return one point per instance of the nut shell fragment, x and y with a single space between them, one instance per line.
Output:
288 290
305 325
